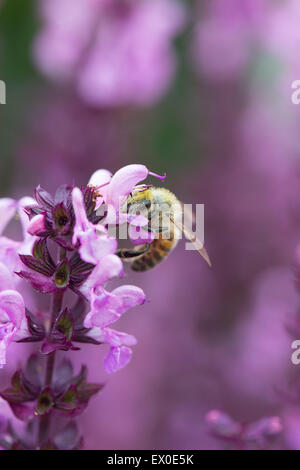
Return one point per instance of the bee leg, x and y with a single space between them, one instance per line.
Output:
131 254
159 229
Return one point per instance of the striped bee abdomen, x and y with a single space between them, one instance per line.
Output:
157 252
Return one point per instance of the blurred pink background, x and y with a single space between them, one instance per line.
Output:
201 90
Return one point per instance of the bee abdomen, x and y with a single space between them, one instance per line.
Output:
158 251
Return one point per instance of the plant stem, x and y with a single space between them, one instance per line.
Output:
44 424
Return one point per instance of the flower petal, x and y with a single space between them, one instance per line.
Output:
24 202
95 247
103 310
36 225
8 208
222 424
131 296
9 253
12 304
113 216
100 178
117 358
123 182
109 267
23 332
112 337
3 347
137 220
138 236
6 278
107 307
82 223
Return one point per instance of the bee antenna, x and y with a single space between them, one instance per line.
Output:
143 187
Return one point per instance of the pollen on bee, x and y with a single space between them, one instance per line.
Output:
96 192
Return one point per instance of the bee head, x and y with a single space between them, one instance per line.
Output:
140 202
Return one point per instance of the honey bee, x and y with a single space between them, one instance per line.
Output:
164 213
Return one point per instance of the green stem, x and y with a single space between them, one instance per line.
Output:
44 425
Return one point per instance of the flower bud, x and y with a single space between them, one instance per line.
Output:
37 225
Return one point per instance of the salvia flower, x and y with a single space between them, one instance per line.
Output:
106 309
94 240
10 209
66 248
216 34
114 191
116 53
73 220
12 313
54 217
13 322
259 434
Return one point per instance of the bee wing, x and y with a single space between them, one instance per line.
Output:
192 237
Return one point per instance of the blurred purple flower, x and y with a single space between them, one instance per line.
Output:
66 33
258 434
282 35
13 323
222 425
227 30
119 54
263 430
9 209
10 250
12 313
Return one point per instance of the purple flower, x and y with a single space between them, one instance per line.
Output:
119 53
37 225
94 240
259 433
107 308
12 313
116 189
222 425
137 234
11 249
66 32
124 181
9 208
263 430
100 180
66 249
119 353
98 248
224 38
109 267
281 38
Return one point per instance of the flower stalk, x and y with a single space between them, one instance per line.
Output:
45 420
45 392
